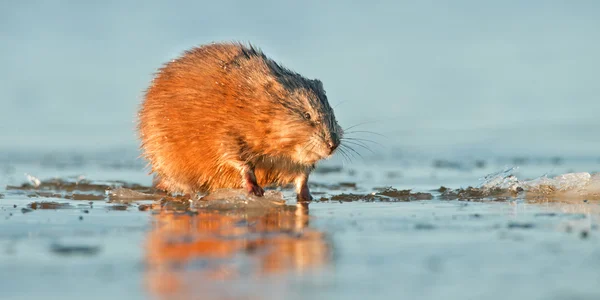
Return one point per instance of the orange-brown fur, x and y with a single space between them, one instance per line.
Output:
219 109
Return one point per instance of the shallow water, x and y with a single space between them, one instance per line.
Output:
449 92
379 229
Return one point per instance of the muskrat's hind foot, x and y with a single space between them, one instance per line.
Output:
251 185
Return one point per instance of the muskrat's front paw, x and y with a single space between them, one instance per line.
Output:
304 193
255 190
304 197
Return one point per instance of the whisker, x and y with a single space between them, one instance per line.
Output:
339 104
345 158
345 154
361 145
355 141
359 124
352 149
362 140
365 131
350 157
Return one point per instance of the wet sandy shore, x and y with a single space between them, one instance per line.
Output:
403 229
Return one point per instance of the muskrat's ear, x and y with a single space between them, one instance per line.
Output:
319 84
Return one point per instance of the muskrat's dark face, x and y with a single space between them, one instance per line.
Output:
312 125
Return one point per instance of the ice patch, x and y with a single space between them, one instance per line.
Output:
35 182
569 185
227 199
125 195
503 179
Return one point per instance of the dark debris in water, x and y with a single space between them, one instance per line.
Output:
328 169
71 185
337 186
349 197
82 189
347 185
404 194
49 205
1 196
120 207
44 195
446 164
70 196
144 207
514 225
393 174
385 195
74 249
424 226
76 196
120 194
473 193
546 215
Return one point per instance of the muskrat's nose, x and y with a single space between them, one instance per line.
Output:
333 142
332 146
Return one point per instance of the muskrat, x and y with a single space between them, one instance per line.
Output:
225 115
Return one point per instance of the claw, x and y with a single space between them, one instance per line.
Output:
251 185
255 189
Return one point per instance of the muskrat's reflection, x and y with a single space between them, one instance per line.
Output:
185 251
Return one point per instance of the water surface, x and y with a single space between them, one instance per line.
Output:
367 236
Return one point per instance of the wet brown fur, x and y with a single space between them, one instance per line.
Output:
222 106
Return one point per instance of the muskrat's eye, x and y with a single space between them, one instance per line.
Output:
307 116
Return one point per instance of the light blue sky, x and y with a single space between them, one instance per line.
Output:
459 76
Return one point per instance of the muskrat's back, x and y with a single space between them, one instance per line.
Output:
226 116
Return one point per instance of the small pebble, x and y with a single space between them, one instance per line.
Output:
14 206
520 225
422 226
80 218
584 234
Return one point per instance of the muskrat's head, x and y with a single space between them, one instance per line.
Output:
306 128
